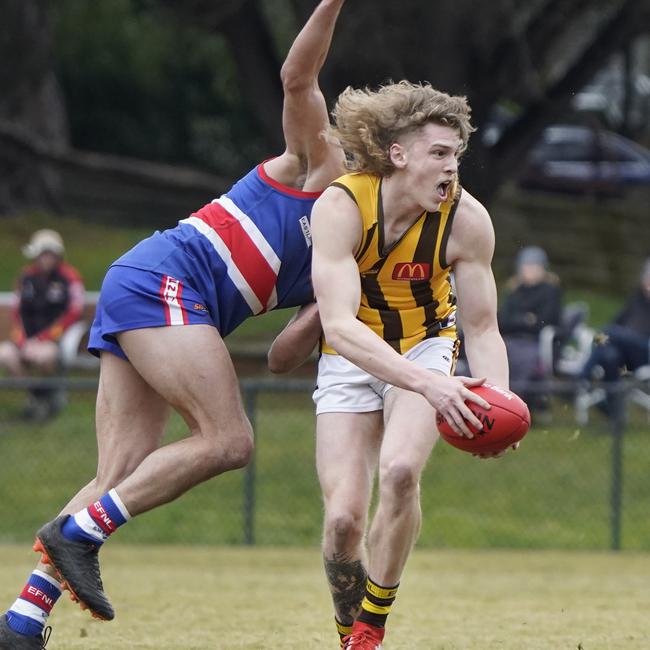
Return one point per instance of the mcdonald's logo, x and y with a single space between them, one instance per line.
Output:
412 271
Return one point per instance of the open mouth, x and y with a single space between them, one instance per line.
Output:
443 190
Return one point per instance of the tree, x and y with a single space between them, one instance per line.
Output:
530 57
243 24
31 104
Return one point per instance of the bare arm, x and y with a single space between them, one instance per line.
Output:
336 230
470 249
305 116
295 343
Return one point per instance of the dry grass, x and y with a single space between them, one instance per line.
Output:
186 598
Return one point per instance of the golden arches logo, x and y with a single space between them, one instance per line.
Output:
412 271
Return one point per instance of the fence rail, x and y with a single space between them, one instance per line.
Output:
594 488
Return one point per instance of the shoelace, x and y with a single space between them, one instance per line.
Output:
47 632
357 639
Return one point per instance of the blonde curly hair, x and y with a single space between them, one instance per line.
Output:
367 122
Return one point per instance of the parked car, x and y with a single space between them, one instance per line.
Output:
580 159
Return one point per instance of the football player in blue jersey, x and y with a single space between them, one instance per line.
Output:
164 309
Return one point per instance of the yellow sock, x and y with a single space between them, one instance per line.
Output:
377 603
343 630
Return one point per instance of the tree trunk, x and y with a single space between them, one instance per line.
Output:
114 188
258 68
242 24
32 101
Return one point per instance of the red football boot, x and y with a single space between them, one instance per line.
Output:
364 637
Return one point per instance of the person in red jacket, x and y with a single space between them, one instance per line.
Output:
49 299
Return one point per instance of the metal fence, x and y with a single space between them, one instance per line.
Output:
569 486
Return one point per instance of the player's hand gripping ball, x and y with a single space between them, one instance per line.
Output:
505 424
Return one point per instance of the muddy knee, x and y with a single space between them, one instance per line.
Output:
344 530
399 481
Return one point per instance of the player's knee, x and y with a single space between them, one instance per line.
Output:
344 529
231 453
240 451
400 480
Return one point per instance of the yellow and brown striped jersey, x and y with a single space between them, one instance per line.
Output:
406 293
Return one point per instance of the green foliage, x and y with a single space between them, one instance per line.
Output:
139 83
281 21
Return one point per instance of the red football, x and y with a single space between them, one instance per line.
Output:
504 424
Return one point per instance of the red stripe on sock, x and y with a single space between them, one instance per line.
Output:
101 518
35 596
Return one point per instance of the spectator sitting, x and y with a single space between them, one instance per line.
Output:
624 345
49 298
533 300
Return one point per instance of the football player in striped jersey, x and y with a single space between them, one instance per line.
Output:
386 239
164 309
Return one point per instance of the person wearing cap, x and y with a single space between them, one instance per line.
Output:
532 301
49 298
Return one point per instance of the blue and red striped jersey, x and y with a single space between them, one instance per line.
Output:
247 252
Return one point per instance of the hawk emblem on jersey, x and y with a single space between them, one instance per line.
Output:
409 271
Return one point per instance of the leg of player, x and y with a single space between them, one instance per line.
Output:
409 437
199 381
347 449
131 419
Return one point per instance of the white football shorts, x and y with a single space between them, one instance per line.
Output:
345 388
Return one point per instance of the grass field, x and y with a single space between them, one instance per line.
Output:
554 492
186 598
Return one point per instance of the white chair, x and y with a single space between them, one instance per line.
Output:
637 391
563 350
72 353
639 394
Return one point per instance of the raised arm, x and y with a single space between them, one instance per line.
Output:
305 115
470 250
336 230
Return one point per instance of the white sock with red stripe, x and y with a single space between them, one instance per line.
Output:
29 613
96 522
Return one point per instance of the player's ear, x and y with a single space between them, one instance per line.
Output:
397 154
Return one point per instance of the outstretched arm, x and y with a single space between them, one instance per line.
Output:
293 345
336 230
305 116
